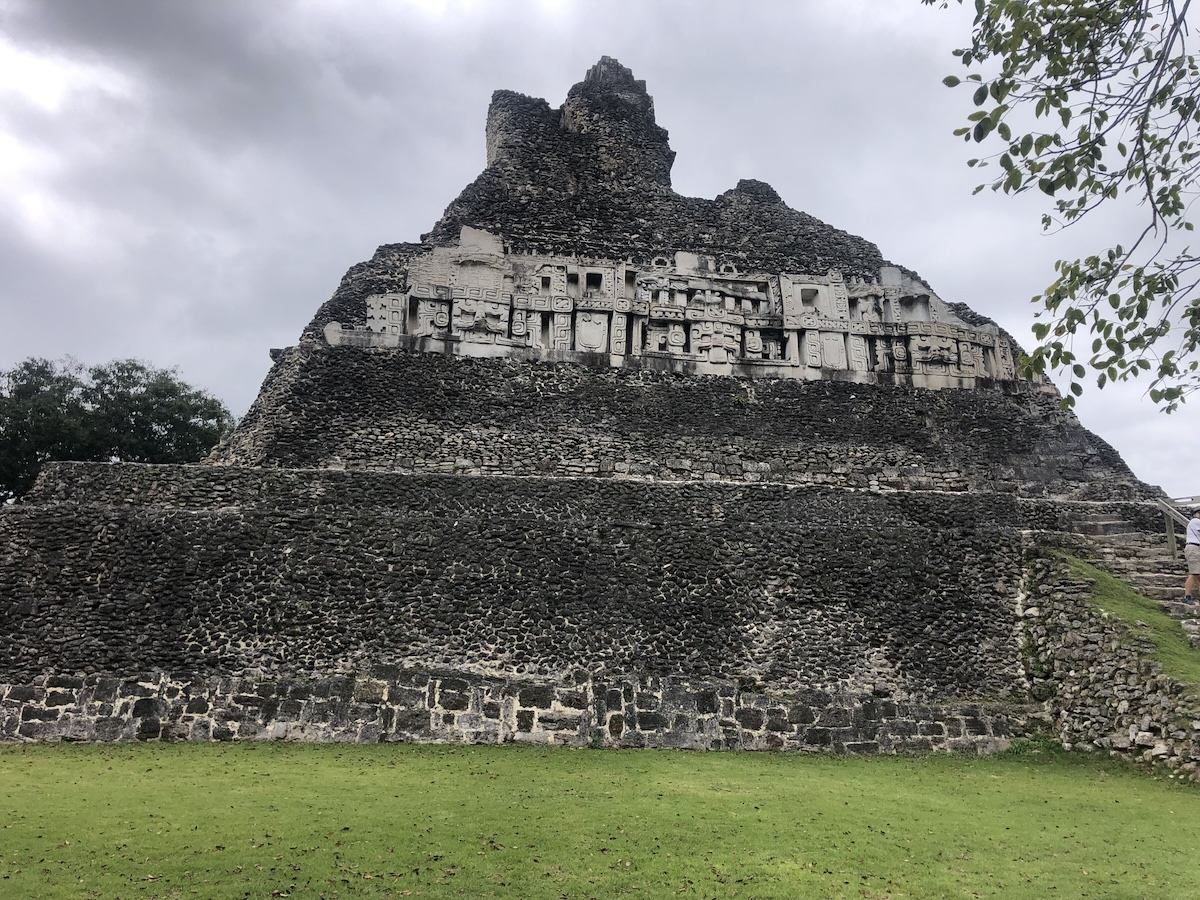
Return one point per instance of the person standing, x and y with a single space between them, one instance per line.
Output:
1191 555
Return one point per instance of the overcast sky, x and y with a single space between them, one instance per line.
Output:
186 182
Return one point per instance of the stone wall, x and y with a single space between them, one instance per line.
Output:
219 571
424 706
207 603
1095 678
391 410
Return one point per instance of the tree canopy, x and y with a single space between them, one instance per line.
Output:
121 411
1090 101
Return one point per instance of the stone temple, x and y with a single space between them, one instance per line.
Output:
594 463
572 246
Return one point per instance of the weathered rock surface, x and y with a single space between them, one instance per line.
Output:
308 573
407 412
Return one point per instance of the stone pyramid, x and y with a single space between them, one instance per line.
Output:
591 463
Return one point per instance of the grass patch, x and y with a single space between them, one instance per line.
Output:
1171 647
266 820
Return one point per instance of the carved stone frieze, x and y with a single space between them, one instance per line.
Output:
476 299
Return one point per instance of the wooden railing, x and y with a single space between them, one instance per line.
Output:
1172 516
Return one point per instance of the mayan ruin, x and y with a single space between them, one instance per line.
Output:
593 463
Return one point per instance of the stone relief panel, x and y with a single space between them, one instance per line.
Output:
562 331
480 319
620 334
719 341
477 275
833 350
387 313
682 308
1003 367
591 331
858 353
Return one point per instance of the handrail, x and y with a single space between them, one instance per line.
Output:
1171 509
1172 516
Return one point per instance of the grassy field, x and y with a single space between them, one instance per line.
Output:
273 820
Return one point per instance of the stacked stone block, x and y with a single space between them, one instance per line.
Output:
421 706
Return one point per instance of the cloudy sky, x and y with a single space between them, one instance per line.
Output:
186 182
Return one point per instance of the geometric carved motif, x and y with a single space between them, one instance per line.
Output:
812 349
859 361
619 333
478 295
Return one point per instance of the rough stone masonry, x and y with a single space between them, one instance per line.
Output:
593 464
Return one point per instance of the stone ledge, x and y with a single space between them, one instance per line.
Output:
495 711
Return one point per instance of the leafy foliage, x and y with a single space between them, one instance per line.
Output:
121 411
1115 103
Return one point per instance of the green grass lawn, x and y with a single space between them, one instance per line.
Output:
271 820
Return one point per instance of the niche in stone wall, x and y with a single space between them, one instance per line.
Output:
773 343
765 344
550 279
593 284
637 335
814 301
915 308
866 309
630 284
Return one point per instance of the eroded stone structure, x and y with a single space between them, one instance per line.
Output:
681 311
595 464
697 286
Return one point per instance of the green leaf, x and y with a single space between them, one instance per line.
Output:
1116 71
951 81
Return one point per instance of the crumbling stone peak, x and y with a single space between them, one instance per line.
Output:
571 245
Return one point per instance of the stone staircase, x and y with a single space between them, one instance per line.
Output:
1144 561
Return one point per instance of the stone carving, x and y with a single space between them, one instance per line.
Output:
619 333
784 324
719 341
591 331
481 320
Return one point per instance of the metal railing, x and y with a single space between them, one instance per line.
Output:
1172 516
